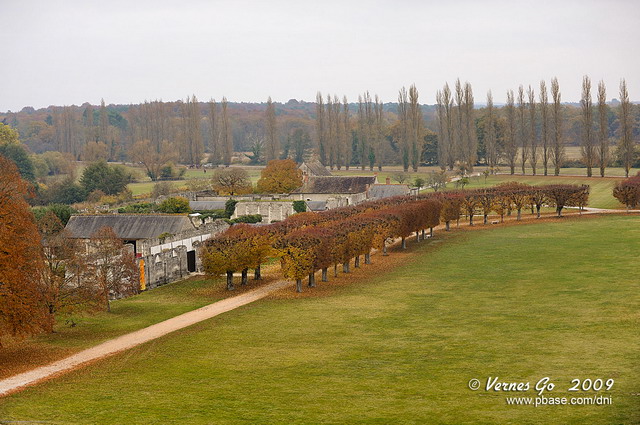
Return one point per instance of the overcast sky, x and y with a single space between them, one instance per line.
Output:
70 52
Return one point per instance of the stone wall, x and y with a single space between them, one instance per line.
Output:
270 211
167 259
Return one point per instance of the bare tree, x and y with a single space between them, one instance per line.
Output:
145 153
379 142
445 148
112 267
226 134
603 128
320 128
522 129
490 135
214 133
626 145
458 122
271 125
510 144
415 127
331 123
403 117
557 153
533 138
586 107
192 147
346 133
233 181
544 118
470 141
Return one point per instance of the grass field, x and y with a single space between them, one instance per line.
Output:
126 315
558 299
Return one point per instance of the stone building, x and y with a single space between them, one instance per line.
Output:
166 246
336 191
314 169
269 210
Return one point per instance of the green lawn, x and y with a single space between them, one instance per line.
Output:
600 195
557 299
126 315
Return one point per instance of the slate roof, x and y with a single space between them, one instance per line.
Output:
337 184
317 205
379 191
316 168
207 205
128 226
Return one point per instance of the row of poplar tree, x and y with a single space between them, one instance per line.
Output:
534 130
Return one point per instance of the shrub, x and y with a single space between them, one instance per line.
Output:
251 219
299 206
230 207
177 205
162 189
63 212
109 179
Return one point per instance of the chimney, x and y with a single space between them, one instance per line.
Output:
388 181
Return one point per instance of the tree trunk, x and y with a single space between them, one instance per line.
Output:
106 298
404 244
257 275
357 262
298 285
384 249
324 275
312 280
470 219
502 218
345 267
244 280
519 216
367 258
417 236
559 210
485 219
230 286
538 210
422 234
447 225
335 270
430 231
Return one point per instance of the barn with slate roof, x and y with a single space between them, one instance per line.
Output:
165 245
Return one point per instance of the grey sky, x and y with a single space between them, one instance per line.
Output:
69 52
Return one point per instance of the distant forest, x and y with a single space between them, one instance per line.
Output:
366 133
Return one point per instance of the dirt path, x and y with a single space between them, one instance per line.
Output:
130 340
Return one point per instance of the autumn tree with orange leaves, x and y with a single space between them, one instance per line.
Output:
280 176
22 310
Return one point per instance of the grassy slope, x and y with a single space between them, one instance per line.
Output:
397 349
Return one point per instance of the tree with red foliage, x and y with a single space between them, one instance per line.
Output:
22 310
628 191
561 195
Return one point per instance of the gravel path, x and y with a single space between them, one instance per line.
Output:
124 342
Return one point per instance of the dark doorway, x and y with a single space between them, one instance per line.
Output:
191 261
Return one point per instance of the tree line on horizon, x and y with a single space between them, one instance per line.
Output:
529 132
